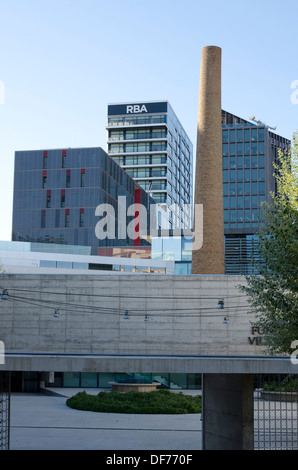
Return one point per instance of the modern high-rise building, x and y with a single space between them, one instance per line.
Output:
250 150
56 193
149 142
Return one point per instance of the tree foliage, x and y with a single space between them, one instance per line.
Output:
273 294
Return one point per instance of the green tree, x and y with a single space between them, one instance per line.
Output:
273 294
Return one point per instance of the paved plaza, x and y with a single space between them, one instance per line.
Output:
45 422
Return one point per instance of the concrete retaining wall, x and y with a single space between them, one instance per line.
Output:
182 311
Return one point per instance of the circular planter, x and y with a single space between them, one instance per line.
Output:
134 387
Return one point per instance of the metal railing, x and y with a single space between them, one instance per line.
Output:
4 410
276 412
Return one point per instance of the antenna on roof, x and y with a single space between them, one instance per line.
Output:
260 123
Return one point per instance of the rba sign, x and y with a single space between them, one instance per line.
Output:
136 108
143 223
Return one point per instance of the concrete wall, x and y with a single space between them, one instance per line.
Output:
92 310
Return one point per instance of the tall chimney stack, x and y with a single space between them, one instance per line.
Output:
209 259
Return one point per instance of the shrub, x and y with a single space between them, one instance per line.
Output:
157 402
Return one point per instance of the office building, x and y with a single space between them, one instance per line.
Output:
149 142
250 150
56 193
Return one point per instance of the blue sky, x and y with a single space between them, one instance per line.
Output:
62 62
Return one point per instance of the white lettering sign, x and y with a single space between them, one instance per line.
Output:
136 108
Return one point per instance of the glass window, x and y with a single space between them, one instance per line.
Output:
239 216
226 202
254 215
254 187
247 215
116 135
45 162
159 159
225 136
254 174
225 189
64 264
161 171
246 162
261 147
232 149
88 379
232 135
116 148
261 134
254 147
240 188
233 202
246 175
240 202
254 201
240 175
232 189
261 161
262 187
77 265
261 200
239 135
232 175
226 216
240 162
247 202
247 135
254 161
71 379
232 216
47 264
225 176
194 381
81 219
246 188
254 135
233 162
261 174
247 148
240 148
225 162
225 149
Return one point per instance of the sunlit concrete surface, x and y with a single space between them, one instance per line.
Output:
42 422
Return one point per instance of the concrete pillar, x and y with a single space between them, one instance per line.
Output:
228 412
209 259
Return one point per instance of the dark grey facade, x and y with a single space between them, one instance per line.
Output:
57 191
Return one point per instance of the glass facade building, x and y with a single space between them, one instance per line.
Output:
56 193
249 153
149 142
